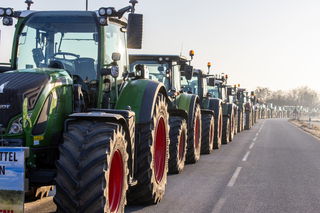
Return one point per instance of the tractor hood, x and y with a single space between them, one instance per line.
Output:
15 87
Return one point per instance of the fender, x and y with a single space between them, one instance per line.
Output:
207 112
214 104
124 118
140 95
179 113
187 102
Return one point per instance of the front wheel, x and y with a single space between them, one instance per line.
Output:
218 127
178 144
194 136
226 130
207 134
152 157
92 170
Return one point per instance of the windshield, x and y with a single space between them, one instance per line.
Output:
190 86
71 39
157 71
214 91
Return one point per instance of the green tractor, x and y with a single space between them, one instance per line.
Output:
256 107
211 110
92 129
219 90
244 98
238 100
237 107
184 109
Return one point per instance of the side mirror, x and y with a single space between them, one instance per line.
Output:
116 56
188 71
211 82
141 71
134 31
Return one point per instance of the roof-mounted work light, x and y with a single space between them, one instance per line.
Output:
6 12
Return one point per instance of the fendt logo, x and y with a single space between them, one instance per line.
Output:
2 86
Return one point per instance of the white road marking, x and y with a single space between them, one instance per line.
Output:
257 134
252 144
246 156
217 208
254 139
234 177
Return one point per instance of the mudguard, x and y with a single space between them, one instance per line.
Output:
207 111
187 102
179 113
214 104
140 96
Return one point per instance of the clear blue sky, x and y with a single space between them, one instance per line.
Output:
273 43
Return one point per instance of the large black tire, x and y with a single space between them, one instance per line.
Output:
232 126
240 119
218 127
248 120
226 130
194 136
92 168
207 134
236 121
178 144
152 157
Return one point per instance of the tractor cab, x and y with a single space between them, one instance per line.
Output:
166 69
218 89
89 45
197 84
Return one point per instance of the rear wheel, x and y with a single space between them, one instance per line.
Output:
152 157
231 123
178 144
92 169
207 134
194 136
226 130
232 127
248 120
236 121
240 120
218 127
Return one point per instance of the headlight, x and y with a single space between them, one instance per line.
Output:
2 11
7 21
110 11
103 21
102 12
9 12
16 126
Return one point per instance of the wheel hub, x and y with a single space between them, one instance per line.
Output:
160 150
115 181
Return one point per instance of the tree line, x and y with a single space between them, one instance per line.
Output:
301 96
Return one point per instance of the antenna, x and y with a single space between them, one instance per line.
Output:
29 3
181 49
87 4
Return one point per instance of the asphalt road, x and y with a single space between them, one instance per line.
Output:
274 167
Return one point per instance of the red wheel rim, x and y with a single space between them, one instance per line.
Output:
160 150
181 145
115 181
197 132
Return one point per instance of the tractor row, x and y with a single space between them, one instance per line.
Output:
104 127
